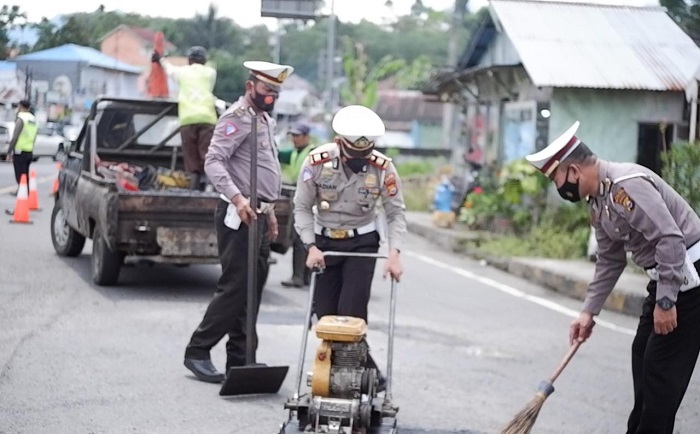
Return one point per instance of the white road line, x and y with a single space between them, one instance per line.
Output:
5 190
518 293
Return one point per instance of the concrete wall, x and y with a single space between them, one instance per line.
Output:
49 70
609 118
98 81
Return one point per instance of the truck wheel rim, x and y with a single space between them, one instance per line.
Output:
60 228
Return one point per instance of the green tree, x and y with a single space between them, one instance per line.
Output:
301 47
414 75
100 22
208 30
256 45
230 75
362 82
73 31
9 17
686 13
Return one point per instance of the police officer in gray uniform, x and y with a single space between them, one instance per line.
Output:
343 181
228 167
634 210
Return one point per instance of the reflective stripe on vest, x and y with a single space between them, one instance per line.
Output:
25 141
195 100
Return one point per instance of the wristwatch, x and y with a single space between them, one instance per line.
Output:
307 246
665 303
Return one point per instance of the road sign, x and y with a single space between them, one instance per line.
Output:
301 9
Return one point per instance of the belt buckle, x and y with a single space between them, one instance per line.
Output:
337 234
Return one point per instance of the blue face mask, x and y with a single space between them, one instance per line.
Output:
356 164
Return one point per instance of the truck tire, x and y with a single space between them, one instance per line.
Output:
66 241
106 263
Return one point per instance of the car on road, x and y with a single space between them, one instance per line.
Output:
48 141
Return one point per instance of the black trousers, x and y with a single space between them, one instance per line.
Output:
21 163
300 273
663 365
227 311
345 285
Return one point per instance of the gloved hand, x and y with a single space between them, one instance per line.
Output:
155 57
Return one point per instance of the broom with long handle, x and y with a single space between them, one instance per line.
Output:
523 422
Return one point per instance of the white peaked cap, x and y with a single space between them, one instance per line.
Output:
355 121
268 72
548 159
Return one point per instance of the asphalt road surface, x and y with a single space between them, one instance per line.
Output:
472 344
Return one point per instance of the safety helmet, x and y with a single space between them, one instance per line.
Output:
197 53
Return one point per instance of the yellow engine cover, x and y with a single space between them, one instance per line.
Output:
321 377
339 328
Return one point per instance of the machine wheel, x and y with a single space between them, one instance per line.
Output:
106 263
66 241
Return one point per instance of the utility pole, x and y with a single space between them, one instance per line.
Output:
330 59
27 83
276 54
448 112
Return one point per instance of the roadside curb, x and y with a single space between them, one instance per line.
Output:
620 300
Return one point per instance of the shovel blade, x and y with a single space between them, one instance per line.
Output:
253 380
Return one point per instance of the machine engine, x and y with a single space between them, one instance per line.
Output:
342 386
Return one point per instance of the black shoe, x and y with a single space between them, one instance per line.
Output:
10 212
293 283
204 370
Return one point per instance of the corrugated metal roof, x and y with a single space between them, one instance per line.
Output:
78 53
598 46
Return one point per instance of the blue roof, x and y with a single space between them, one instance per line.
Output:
78 53
7 66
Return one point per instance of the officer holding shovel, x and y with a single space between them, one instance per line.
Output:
228 167
634 210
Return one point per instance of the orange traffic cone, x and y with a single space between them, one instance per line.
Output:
55 181
21 214
33 195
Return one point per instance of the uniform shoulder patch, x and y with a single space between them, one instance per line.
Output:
317 158
377 159
622 198
238 112
322 154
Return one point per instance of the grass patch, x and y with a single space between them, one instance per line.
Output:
545 242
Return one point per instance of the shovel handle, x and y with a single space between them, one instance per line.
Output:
565 361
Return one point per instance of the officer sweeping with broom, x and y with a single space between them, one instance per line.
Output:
633 210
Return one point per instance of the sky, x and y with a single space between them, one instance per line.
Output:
246 13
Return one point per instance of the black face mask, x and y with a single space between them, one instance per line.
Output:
356 164
569 190
264 102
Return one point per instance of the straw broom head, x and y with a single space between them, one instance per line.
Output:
523 422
